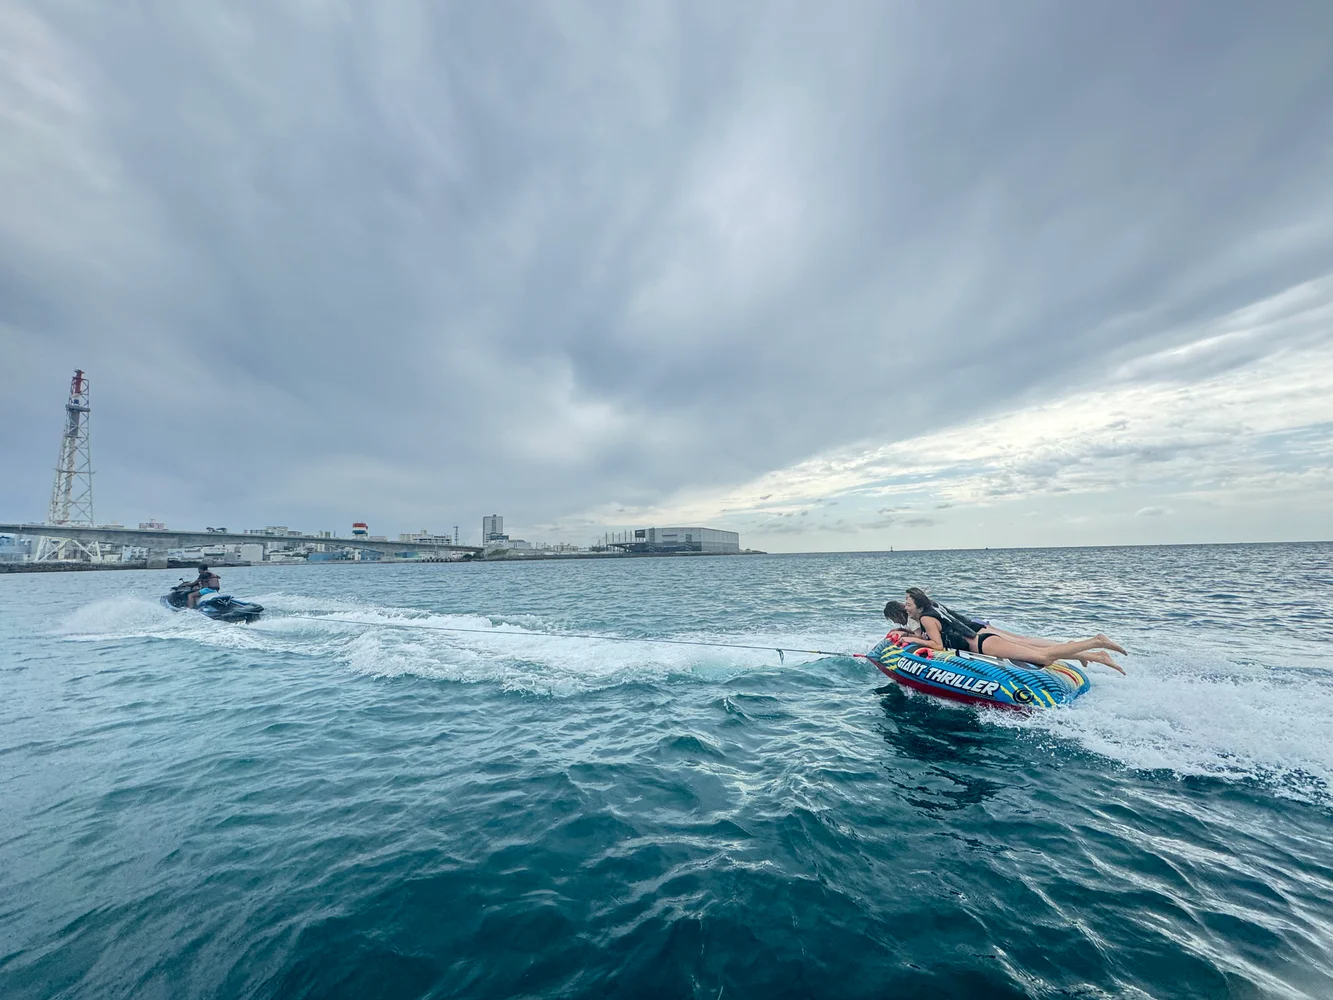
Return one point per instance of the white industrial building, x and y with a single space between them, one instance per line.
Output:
694 540
427 538
691 539
493 529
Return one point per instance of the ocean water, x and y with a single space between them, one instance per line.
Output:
328 808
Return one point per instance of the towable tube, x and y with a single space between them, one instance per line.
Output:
977 679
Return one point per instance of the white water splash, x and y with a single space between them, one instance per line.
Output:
520 653
1192 712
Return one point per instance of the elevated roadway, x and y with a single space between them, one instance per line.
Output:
159 541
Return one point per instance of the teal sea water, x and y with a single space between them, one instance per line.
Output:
304 808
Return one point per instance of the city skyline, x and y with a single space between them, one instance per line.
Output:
834 279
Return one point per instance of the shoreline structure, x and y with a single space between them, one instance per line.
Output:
85 567
159 547
77 567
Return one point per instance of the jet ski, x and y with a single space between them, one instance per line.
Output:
219 607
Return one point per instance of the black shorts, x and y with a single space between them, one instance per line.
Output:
981 640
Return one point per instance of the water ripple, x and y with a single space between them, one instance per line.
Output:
314 809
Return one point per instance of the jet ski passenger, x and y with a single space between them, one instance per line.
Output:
944 631
207 584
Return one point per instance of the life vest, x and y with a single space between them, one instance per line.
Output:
967 620
954 632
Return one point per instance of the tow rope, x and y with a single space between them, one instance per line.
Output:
780 650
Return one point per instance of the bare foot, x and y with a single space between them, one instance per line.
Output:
1113 646
1097 656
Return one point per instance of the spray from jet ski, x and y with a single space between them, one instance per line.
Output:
219 607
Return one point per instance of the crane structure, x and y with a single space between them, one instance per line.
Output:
72 491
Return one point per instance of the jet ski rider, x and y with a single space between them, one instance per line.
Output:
206 585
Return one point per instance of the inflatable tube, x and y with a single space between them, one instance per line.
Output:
977 679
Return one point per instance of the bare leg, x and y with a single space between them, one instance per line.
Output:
1107 643
1026 640
1032 640
1044 656
1099 657
1083 658
1047 655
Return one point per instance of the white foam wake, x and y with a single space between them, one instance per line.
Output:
1194 712
526 653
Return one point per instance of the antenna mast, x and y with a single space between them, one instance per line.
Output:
72 491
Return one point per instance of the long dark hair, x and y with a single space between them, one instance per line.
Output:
895 612
919 597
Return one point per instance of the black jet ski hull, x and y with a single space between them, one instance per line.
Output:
221 609
231 611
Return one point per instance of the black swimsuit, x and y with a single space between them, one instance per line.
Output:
965 625
953 633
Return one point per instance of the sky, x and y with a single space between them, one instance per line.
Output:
836 276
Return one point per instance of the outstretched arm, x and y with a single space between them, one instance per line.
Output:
933 637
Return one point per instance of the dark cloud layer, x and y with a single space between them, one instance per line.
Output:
414 262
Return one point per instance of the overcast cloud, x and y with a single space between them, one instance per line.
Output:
836 276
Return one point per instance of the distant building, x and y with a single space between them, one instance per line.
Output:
693 539
15 549
507 544
425 537
493 529
360 529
